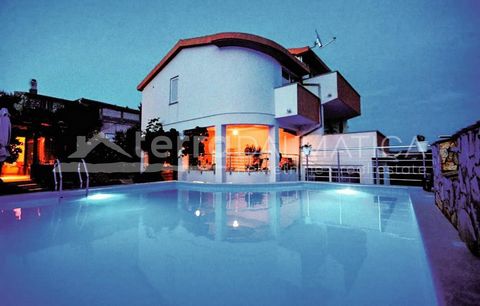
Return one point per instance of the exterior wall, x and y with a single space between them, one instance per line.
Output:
288 176
328 89
323 153
199 176
458 195
308 104
216 86
248 177
347 94
286 99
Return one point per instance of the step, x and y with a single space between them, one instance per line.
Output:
27 184
36 189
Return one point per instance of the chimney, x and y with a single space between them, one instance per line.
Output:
33 86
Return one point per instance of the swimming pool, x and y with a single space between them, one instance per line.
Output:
201 244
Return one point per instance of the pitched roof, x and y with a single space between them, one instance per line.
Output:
309 57
245 40
299 51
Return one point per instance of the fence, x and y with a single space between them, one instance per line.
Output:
391 165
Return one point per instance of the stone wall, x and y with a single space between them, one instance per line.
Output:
457 193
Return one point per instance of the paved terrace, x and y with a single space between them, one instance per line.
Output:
455 271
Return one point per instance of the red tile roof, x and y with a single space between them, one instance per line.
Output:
299 51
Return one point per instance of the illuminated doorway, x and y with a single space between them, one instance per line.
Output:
15 171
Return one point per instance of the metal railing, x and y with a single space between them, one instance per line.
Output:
388 165
204 162
87 175
288 162
247 162
58 183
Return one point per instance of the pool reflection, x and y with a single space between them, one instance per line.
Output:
194 247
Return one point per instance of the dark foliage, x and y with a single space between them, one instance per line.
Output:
164 143
193 144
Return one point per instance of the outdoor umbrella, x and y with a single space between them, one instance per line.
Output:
5 133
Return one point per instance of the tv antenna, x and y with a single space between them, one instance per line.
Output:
318 41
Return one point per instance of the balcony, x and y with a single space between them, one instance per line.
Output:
296 106
339 99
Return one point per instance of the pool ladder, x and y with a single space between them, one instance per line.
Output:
87 175
58 177
57 168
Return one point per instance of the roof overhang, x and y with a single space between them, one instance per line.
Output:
232 39
314 60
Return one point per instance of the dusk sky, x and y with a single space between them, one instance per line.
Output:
416 64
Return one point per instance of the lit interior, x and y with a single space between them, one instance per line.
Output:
10 171
241 136
242 139
289 144
255 137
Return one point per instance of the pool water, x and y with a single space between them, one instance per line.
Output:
196 245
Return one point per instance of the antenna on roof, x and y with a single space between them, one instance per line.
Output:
318 42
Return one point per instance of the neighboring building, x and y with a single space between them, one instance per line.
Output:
36 116
114 118
247 90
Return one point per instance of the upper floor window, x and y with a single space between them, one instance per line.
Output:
107 112
174 90
288 77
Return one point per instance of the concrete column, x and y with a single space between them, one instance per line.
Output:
274 148
220 149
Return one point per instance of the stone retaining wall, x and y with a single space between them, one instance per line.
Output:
457 193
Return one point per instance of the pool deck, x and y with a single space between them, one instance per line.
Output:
456 272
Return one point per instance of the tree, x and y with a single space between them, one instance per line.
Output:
128 141
193 145
155 133
74 119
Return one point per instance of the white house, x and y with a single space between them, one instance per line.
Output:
248 91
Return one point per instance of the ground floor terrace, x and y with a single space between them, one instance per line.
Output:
34 153
256 153
242 153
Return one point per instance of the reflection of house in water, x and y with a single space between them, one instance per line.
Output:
302 245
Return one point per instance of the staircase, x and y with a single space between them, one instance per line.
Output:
30 186
21 187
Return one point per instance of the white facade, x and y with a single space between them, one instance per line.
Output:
352 151
227 85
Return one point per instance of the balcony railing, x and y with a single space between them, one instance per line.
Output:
288 162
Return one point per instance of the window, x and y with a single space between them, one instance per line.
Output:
285 77
131 116
288 77
174 90
107 112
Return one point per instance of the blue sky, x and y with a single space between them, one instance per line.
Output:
415 63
